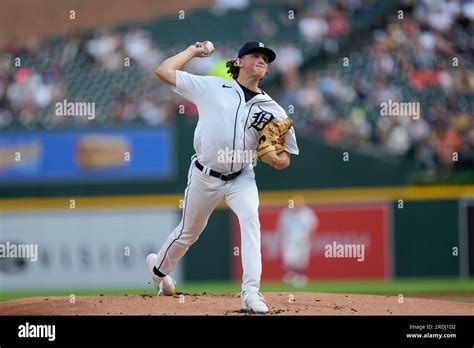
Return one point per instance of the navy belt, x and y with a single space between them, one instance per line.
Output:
217 174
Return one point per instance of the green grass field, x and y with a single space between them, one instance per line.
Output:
407 287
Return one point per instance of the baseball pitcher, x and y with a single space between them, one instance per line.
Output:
236 116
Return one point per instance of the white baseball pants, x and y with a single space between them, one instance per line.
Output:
202 195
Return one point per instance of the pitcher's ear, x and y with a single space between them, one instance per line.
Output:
237 62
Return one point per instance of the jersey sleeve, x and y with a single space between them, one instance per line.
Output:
191 87
290 142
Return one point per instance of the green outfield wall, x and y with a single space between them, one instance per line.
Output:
425 234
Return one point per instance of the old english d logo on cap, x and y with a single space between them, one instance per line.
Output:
256 46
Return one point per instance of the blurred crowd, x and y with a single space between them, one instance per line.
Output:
52 71
92 66
423 55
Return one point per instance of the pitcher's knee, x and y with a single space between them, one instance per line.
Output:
249 212
188 239
249 218
190 236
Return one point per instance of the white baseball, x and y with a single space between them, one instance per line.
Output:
208 47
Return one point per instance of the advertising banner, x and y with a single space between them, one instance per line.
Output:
350 241
78 155
82 249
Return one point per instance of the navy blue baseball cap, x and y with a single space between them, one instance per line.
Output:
255 46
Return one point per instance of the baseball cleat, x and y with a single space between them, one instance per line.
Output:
253 301
165 285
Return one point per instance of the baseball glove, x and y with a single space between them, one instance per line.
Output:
272 137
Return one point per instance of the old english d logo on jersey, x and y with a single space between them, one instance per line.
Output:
261 119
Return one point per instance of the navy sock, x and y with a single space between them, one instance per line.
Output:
158 273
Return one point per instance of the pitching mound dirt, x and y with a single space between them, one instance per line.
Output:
297 303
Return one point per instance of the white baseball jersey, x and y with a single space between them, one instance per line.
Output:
226 121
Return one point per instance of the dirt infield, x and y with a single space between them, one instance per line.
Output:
298 303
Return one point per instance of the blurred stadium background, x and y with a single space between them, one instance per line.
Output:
97 194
